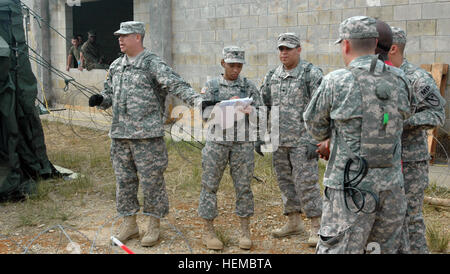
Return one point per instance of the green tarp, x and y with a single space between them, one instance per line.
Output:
23 156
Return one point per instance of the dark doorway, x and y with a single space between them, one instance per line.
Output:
103 16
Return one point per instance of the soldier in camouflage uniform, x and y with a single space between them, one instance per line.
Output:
361 108
220 149
136 87
91 57
428 112
73 59
290 87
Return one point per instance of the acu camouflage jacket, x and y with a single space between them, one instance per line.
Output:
137 91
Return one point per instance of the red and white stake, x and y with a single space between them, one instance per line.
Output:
121 245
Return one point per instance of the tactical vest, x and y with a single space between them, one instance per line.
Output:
307 79
215 86
381 120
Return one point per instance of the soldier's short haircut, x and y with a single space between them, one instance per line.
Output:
364 45
401 47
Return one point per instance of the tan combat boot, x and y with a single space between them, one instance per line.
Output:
129 229
209 236
292 227
151 236
314 234
245 241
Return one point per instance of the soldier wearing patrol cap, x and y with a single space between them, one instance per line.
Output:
91 56
428 112
222 149
135 88
289 87
361 108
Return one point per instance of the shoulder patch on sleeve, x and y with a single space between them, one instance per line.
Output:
433 100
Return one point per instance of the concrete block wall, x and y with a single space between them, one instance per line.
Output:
201 28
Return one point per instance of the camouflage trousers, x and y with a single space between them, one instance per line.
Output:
215 157
298 179
148 159
416 181
345 232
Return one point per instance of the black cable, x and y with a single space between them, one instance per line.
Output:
351 189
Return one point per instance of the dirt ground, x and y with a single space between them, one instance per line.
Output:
84 209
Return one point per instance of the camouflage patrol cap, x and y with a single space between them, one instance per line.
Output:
398 36
131 27
357 27
288 39
233 54
92 33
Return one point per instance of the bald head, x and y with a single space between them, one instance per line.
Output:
384 39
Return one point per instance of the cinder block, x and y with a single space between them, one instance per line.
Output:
179 59
241 10
258 34
192 14
301 31
223 35
207 59
249 21
342 4
258 59
421 58
421 1
224 11
412 44
443 57
421 27
436 10
232 23
286 20
319 31
297 5
398 24
408 12
193 36
347 13
208 36
309 18
443 27
214 23
259 8
382 13
367 3
239 34
267 21
277 6
273 33
319 4
394 2
208 12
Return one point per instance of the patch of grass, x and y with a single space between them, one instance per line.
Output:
433 190
35 213
437 238
81 184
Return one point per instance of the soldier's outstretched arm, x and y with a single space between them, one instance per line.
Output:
169 80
